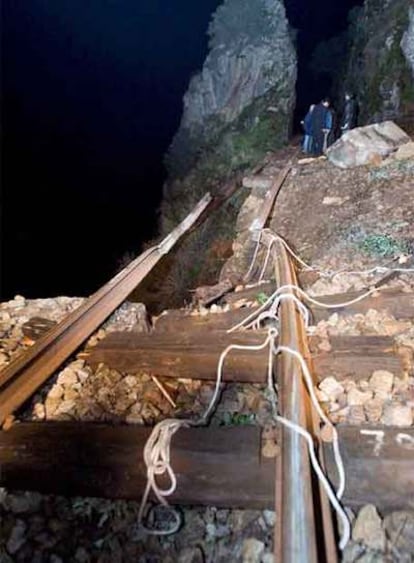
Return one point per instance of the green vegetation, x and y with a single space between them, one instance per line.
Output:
392 170
382 245
238 419
261 298
248 146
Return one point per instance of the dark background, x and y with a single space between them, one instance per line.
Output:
316 21
91 97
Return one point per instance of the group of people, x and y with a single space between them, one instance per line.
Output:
320 124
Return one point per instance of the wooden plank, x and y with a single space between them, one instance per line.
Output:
399 304
394 301
36 327
182 354
358 367
171 321
214 466
194 349
379 467
356 356
207 294
363 343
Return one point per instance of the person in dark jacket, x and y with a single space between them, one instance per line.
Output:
307 127
322 123
349 116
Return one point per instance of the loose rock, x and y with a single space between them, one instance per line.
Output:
381 382
397 415
356 397
373 409
368 528
331 387
252 550
17 537
399 527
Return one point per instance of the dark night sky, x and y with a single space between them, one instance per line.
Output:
92 94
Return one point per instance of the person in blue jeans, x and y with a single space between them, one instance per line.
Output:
307 127
321 125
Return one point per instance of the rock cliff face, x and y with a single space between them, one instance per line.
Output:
380 67
240 105
407 42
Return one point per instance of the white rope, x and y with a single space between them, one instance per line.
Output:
157 460
333 497
251 321
158 446
252 315
272 312
332 273
254 320
326 305
252 347
309 384
274 237
346 526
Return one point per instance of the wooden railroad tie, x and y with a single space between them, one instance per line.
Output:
193 353
216 466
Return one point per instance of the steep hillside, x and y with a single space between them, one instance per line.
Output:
354 218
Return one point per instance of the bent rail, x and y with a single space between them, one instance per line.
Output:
23 376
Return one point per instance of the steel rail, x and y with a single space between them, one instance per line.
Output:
304 531
267 206
20 379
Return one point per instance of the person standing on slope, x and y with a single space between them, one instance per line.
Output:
322 123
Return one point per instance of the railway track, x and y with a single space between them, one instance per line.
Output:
98 460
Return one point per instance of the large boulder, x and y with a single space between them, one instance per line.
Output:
365 145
